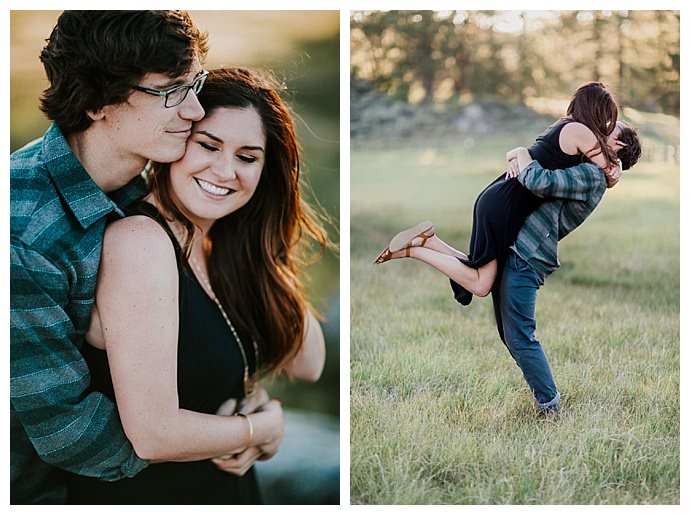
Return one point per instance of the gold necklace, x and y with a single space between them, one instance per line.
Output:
249 383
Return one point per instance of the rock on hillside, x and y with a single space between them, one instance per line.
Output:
376 115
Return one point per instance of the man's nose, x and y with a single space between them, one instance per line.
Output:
190 108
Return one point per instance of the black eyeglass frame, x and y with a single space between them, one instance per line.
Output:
196 85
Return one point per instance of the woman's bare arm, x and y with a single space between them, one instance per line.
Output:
137 296
517 158
309 362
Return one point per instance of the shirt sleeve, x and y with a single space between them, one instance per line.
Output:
49 378
580 182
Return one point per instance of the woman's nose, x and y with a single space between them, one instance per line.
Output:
222 167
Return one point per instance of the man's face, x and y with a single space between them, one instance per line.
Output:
143 129
612 140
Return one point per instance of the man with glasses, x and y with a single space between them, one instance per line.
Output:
107 71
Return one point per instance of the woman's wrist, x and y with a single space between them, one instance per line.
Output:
250 430
269 423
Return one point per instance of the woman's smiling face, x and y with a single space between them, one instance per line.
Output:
222 164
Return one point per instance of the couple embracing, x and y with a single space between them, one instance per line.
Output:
145 307
547 191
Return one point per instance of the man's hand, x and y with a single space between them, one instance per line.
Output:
613 174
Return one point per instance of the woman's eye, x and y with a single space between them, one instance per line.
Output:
208 147
246 158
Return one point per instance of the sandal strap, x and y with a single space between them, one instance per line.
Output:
424 236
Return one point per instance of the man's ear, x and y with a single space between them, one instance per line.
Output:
96 115
621 143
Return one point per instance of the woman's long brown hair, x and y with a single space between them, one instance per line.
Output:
253 264
593 105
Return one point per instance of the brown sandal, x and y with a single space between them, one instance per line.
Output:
404 239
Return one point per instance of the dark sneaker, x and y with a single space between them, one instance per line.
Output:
551 413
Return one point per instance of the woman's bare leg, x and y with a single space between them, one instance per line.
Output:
437 244
444 258
476 281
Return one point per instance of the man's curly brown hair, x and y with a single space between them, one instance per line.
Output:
92 58
630 154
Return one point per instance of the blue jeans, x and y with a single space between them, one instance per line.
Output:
515 296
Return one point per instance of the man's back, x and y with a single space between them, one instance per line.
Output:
570 197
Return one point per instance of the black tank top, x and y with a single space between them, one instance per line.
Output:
547 151
210 365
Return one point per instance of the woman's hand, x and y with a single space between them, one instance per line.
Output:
512 154
238 464
517 159
613 174
513 169
275 410
259 402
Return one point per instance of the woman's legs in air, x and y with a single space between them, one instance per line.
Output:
427 247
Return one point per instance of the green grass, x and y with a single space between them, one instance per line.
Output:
440 413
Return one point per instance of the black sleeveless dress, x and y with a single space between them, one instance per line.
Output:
501 209
210 371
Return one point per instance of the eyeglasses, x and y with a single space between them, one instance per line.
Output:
175 96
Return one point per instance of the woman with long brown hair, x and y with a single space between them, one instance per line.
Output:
199 295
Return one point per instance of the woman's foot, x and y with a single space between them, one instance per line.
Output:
402 242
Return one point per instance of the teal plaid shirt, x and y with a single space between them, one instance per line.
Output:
570 197
57 220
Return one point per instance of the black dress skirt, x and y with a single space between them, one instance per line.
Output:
210 371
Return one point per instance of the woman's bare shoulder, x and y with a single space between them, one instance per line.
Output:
575 137
138 240
576 128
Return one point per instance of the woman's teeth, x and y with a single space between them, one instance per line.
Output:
212 188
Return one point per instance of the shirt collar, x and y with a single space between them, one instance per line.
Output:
84 198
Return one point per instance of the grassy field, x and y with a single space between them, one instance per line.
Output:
440 413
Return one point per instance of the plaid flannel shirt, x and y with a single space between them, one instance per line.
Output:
57 220
571 196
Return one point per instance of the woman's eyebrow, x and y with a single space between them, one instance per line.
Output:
219 140
215 138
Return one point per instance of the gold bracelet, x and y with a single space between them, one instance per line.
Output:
251 429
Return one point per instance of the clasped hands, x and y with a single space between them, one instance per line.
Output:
238 464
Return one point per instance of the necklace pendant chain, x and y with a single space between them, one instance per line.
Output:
249 384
